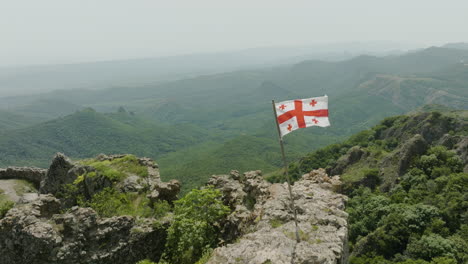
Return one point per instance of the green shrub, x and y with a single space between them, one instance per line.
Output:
5 206
195 228
105 169
110 202
130 164
205 257
146 262
117 169
443 260
276 223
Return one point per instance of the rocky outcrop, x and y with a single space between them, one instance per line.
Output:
36 232
57 174
430 125
31 174
63 171
413 147
398 162
462 151
265 220
167 191
260 229
353 155
243 194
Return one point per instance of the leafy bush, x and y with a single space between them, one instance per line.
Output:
430 246
276 223
195 226
117 169
110 202
5 206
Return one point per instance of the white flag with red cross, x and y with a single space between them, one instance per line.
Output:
295 114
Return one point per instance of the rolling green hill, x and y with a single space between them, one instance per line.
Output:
214 123
88 132
9 120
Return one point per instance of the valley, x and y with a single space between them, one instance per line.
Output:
213 123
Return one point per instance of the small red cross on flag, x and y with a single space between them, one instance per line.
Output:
295 114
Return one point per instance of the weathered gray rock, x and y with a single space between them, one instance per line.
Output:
153 168
132 183
57 174
269 236
36 233
64 171
93 185
167 191
320 177
31 174
232 187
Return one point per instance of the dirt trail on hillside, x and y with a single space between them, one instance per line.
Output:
8 187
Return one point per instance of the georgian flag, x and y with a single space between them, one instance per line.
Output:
295 114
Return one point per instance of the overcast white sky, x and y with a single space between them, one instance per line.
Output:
66 31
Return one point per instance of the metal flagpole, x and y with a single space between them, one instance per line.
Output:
288 179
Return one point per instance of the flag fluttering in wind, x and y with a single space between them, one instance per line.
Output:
295 114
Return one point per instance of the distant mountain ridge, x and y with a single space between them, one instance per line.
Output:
459 45
131 73
226 119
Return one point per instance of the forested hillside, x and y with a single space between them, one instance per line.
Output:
227 117
90 132
407 179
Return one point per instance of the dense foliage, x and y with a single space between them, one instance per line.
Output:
419 217
110 202
424 217
117 169
195 228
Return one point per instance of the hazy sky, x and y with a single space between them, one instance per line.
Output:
65 31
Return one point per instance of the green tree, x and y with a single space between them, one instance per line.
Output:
430 246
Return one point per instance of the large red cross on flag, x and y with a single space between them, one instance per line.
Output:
295 114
